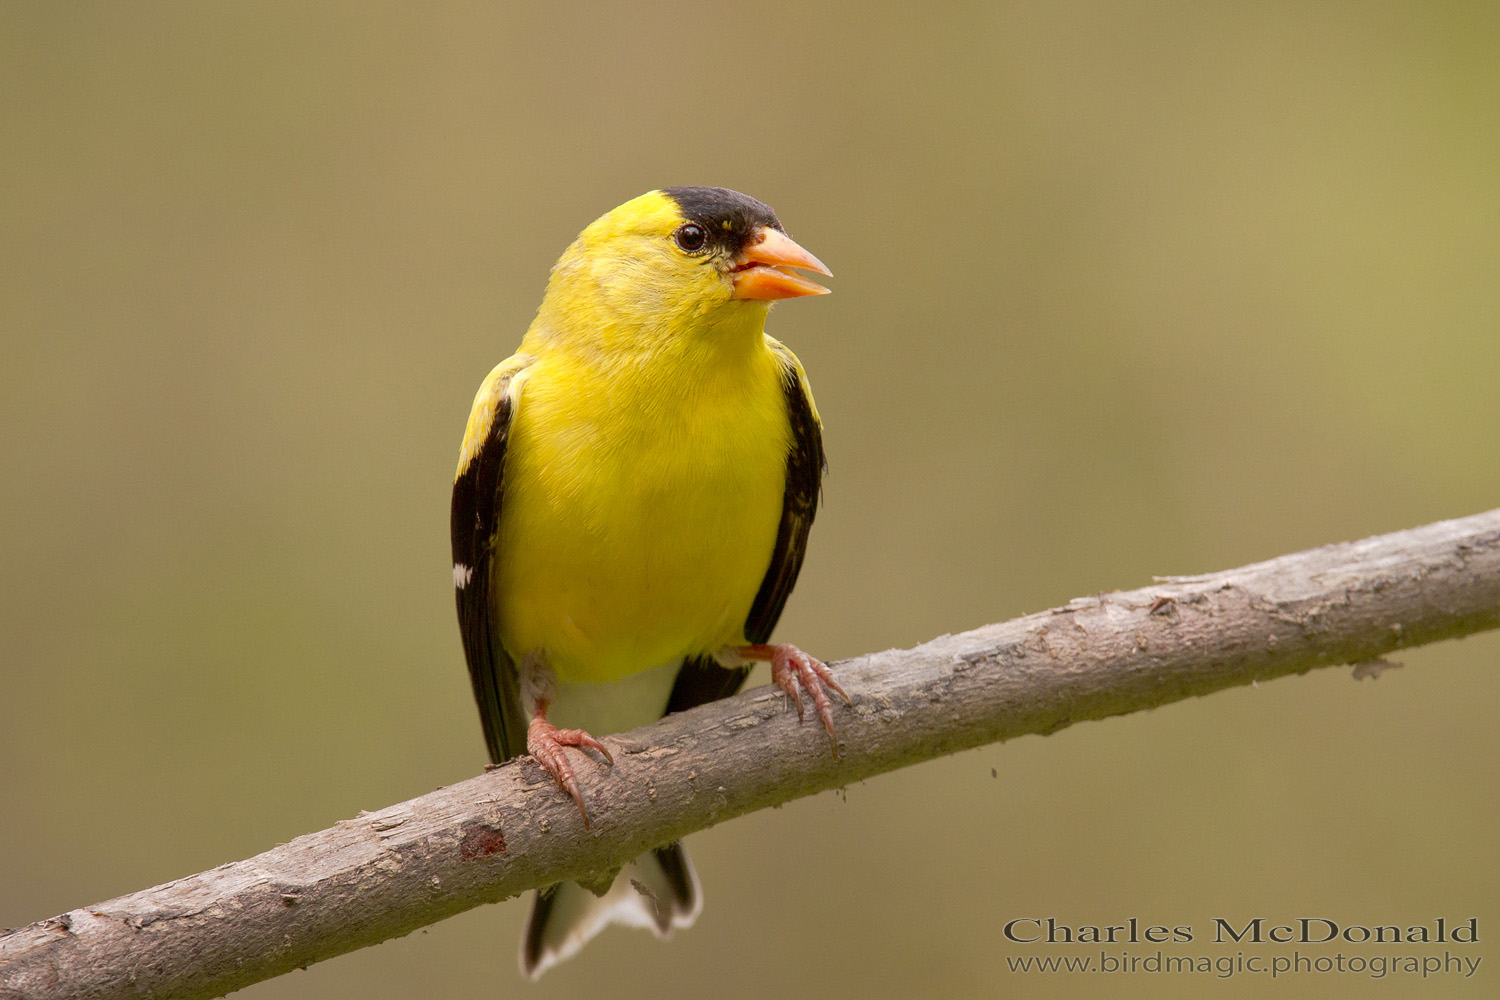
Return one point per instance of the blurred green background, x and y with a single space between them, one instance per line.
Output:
1122 290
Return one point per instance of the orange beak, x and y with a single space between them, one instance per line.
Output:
764 271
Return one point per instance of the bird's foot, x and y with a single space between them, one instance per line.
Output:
545 743
791 668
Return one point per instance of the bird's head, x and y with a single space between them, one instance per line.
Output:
679 258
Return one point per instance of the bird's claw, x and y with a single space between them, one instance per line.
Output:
545 743
792 669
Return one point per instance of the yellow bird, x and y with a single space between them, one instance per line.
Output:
632 503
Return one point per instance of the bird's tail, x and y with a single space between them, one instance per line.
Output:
658 891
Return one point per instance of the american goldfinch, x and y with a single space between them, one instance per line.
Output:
631 508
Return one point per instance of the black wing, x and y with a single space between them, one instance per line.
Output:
702 679
477 492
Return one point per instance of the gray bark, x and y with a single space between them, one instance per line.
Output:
386 873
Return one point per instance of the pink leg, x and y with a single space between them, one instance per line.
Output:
545 743
789 666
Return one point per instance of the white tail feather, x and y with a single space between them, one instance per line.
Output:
658 891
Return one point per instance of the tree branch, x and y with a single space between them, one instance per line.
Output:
387 873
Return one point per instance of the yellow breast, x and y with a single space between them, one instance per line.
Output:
640 508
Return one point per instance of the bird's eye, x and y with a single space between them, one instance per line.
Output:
691 237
